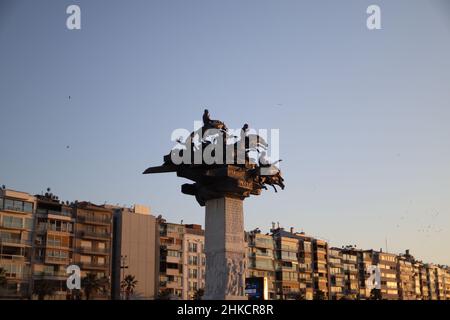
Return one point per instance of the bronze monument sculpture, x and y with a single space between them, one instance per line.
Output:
223 175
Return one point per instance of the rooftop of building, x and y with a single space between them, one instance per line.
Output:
4 192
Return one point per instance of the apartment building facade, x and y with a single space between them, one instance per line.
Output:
194 261
406 280
170 259
387 262
40 236
321 280
16 232
286 266
337 277
53 244
301 265
92 249
261 259
351 272
182 260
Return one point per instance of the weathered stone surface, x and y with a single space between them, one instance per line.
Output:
225 249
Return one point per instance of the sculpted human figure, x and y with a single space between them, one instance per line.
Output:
206 118
242 267
230 276
244 131
208 123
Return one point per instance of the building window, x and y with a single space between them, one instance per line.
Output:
28 223
193 273
173 253
288 255
86 244
17 205
9 204
48 270
54 241
193 285
85 259
58 254
28 207
12 222
172 266
192 247
13 270
193 260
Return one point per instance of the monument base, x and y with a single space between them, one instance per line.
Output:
225 249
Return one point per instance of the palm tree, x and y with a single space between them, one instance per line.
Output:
198 294
319 295
42 289
164 294
91 284
3 280
129 284
105 285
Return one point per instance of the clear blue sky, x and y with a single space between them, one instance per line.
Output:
364 118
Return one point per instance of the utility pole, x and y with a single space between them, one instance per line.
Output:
123 266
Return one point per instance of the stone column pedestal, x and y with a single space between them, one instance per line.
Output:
225 249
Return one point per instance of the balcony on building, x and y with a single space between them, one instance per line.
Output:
94 250
94 234
94 220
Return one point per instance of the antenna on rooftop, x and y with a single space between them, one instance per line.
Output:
386 245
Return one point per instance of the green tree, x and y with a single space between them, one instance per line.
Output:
198 294
128 284
43 289
105 285
91 284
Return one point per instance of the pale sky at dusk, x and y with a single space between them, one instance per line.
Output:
364 116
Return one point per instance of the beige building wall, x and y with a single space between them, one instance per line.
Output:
136 244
